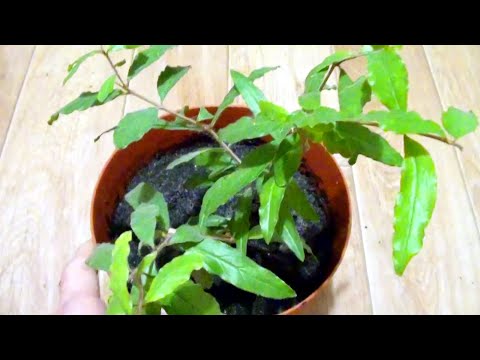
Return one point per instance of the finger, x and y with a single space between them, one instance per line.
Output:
83 305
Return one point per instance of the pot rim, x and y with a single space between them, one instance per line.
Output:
326 282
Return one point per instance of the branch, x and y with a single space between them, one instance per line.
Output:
113 67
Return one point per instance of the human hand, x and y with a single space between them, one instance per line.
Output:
79 290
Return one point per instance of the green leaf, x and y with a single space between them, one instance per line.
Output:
106 89
200 181
288 159
134 126
271 199
85 101
216 221
239 270
228 186
310 101
414 205
297 201
101 258
168 78
249 128
146 58
351 140
289 234
272 111
119 272
190 156
191 299
172 275
240 224
73 67
187 233
459 123
144 222
388 78
353 95
402 122
204 115
145 193
114 307
233 93
203 278
255 233
147 265
120 63
250 93
322 115
113 48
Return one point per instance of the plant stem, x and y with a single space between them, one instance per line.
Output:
113 67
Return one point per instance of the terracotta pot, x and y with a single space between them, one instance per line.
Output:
124 164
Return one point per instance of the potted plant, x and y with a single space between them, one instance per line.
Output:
234 210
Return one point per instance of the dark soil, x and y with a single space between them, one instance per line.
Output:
185 203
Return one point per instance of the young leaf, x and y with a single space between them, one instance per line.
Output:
353 95
106 88
101 258
85 101
187 233
250 93
288 159
351 140
120 63
402 122
168 78
146 194
388 78
273 112
144 221
191 299
459 123
204 115
119 272
414 205
289 234
73 67
147 265
190 156
172 275
226 187
203 278
233 93
271 199
216 221
239 270
310 101
255 233
113 48
321 115
249 128
146 58
134 126
297 201
240 224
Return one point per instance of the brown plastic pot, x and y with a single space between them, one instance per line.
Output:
124 164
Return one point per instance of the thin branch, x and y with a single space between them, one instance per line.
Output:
103 133
114 68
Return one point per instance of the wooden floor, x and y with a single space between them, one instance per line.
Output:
47 174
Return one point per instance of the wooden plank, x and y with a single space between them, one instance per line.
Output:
348 292
14 62
48 175
444 277
456 72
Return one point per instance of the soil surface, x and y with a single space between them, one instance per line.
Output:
184 203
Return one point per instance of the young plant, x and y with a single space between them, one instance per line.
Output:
213 245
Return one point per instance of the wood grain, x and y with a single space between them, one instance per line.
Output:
348 292
447 266
14 62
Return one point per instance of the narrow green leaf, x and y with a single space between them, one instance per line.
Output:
228 186
85 101
322 115
229 264
216 221
414 205
147 265
190 156
144 222
172 275
113 48
73 67
145 193
273 111
187 233
101 258
191 299
233 93
200 181
297 201
249 128
388 78
255 233
351 140
119 272
240 224
271 199
146 58
288 159
289 234
459 123
106 89
168 78
120 63
134 126
114 307
353 95
250 93
310 101
204 115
